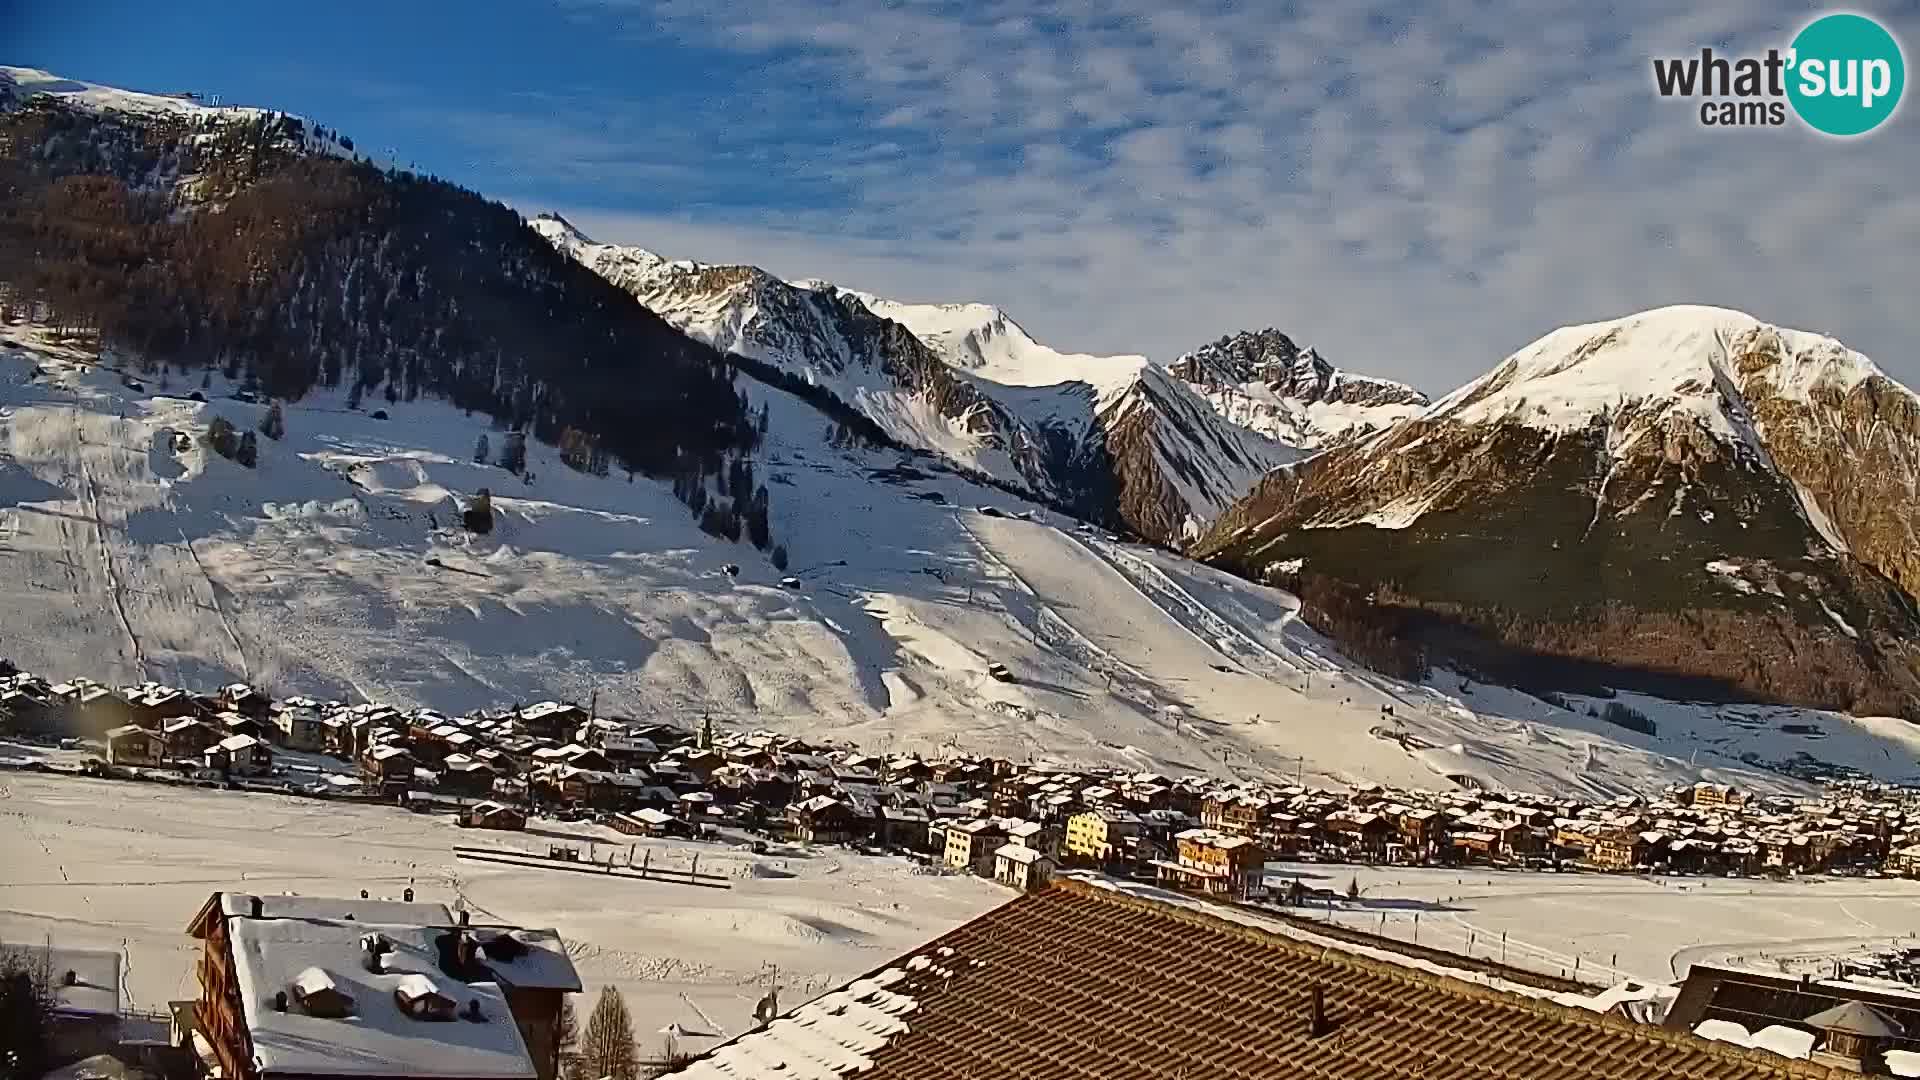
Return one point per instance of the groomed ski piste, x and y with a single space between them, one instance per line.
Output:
338 567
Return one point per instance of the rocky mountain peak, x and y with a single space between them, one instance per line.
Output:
1581 504
1265 381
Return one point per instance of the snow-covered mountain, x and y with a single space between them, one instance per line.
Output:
1262 380
1687 491
1115 437
229 136
338 567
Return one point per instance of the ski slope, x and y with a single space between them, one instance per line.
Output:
337 568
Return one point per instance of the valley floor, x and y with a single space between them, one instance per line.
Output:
1610 927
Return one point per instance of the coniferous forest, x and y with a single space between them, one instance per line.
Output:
186 245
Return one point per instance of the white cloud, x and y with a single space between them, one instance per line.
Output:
1416 190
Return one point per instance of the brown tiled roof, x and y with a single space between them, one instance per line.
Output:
1079 982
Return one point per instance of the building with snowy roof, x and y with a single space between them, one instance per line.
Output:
309 987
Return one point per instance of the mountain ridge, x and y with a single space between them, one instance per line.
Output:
1115 438
1673 491
1261 379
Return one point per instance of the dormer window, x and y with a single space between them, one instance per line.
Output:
320 995
420 998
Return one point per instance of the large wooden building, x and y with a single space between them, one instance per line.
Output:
300 988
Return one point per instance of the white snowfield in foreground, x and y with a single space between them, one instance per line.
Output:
102 864
124 557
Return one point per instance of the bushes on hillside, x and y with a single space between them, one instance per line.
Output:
227 441
478 516
1620 714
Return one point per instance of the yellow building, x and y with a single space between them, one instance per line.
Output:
971 844
1097 835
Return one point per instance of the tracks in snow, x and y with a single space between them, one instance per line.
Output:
213 595
92 488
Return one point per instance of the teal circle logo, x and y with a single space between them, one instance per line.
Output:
1846 74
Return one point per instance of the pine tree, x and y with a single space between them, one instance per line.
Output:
481 451
1353 888
607 1048
779 556
478 516
706 733
513 452
353 396
222 436
759 528
274 426
206 380
249 452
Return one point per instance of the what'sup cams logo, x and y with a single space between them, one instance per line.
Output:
1843 75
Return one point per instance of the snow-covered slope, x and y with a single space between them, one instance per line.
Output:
829 340
123 555
1263 381
1111 436
1176 464
1684 474
19 85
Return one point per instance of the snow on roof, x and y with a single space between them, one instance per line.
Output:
1018 853
833 1035
271 955
95 990
233 744
288 906
314 980
1211 838
414 985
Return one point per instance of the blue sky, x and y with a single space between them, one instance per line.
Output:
1416 189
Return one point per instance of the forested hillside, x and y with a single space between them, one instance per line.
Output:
191 243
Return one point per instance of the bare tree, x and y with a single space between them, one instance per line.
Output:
566 1042
607 1049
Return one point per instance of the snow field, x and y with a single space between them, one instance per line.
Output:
107 864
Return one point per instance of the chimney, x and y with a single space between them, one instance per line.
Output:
473 1010
256 906
1317 1014
373 950
280 1001
463 916
464 951
407 895
72 977
363 894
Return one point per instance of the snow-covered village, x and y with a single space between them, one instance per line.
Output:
536 547
820 851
